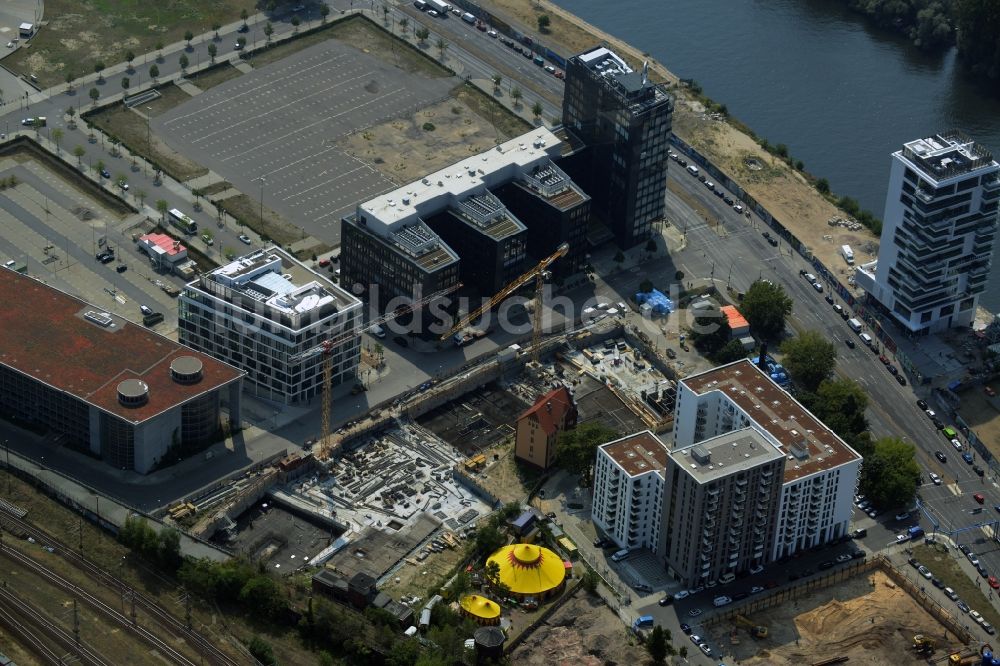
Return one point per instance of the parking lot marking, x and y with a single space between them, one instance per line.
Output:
955 490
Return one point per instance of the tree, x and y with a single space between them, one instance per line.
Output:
765 307
731 351
57 135
809 358
212 50
262 651
215 27
244 15
295 24
268 31
79 152
890 473
324 11
141 196
978 23
442 46
159 50
646 286
99 70
161 208
823 186
543 23
841 405
69 80
154 71
576 449
99 167
710 331
262 596
682 652
488 540
536 110
169 549
125 85
497 79
183 60
385 14
422 34
516 95
129 57
188 36
590 581
94 94
656 645
404 24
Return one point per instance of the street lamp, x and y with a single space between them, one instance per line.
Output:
262 202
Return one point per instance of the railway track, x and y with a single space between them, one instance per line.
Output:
204 646
11 605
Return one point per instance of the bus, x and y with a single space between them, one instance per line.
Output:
183 222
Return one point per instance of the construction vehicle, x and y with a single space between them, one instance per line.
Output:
924 644
538 274
328 346
966 658
757 631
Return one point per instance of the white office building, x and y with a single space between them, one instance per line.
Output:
820 472
260 312
628 490
937 235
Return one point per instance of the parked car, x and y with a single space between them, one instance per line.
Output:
979 498
245 239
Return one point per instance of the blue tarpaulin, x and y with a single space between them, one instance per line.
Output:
656 301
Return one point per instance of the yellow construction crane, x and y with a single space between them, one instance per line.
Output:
538 274
327 347
757 631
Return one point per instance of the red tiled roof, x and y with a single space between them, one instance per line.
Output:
43 335
165 242
550 419
779 414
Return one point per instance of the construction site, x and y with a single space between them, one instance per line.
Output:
864 619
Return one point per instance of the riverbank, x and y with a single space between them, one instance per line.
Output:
786 193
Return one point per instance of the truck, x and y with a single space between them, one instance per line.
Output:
438 6
915 532
848 254
855 325
467 335
469 18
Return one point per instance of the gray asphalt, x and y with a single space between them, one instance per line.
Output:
281 123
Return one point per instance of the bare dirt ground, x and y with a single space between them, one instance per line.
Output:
982 413
583 632
417 578
502 477
868 619
404 151
784 192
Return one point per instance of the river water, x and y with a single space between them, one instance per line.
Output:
841 94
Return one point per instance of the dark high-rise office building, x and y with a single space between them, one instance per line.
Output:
625 122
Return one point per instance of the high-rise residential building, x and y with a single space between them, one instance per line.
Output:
821 470
625 122
539 427
721 506
628 490
477 222
938 232
104 386
261 312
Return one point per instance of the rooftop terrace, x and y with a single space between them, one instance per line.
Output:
947 155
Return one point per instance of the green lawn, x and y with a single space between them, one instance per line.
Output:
75 34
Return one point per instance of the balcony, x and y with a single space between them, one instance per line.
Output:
924 196
991 185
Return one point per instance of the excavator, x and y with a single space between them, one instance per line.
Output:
924 644
757 631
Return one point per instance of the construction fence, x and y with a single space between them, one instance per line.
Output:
834 577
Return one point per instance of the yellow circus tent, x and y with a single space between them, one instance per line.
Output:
482 610
529 570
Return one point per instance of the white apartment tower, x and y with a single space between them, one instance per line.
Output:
938 231
628 490
260 312
820 472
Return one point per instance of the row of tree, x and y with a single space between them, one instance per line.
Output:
974 25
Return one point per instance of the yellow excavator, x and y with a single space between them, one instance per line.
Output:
924 644
757 631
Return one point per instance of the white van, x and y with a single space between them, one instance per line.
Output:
867 339
620 555
726 579
377 331
855 325
693 170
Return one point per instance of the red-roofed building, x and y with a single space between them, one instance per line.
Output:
104 384
539 427
166 253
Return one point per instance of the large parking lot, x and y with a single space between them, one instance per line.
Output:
53 226
283 121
